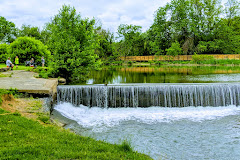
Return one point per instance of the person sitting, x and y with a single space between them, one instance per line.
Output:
43 61
9 63
32 62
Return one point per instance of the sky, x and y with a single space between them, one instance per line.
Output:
110 13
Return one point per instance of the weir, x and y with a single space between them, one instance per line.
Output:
147 95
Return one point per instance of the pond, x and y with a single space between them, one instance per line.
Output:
164 74
179 132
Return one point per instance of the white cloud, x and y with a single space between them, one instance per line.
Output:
112 13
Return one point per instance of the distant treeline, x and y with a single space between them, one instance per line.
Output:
180 27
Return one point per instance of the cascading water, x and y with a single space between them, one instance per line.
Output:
203 122
146 95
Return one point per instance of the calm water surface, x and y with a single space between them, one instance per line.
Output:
165 74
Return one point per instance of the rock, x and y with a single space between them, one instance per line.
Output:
4 69
61 81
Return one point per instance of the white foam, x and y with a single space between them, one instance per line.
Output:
97 117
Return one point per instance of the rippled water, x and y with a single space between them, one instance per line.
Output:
163 133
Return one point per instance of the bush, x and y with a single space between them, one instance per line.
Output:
3 53
28 47
174 50
201 58
130 63
126 146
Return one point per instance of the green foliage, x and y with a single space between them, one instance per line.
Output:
198 26
130 63
199 58
131 40
28 47
28 31
126 146
106 43
22 138
174 50
44 119
73 44
7 30
3 53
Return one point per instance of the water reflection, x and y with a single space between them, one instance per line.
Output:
165 74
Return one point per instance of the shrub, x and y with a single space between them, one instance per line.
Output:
201 58
3 53
126 146
174 50
129 63
28 47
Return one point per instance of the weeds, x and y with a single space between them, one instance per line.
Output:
126 146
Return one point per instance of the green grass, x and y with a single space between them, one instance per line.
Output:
41 70
21 138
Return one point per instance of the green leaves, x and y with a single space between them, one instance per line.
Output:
174 50
3 52
7 30
131 40
27 47
72 43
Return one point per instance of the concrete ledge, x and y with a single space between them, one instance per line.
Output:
4 69
25 81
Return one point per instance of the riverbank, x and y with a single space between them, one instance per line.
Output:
28 133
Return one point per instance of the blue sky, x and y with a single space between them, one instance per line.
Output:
111 13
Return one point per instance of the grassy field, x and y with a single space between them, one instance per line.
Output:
21 67
23 138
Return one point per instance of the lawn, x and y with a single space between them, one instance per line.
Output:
23 138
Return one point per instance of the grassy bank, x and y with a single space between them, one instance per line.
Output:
211 62
23 138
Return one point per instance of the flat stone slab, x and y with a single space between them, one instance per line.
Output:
25 81
4 69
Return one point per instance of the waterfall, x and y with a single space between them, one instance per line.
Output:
146 95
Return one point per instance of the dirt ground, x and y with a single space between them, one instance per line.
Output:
27 107
30 108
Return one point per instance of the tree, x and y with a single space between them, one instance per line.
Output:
7 30
73 44
232 8
28 47
28 31
132 42
159 33
106 41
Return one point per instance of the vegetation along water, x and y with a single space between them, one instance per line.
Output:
76 48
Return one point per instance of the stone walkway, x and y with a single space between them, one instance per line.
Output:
25 81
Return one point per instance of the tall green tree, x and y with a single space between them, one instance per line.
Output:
72 42
7 30
106 42
29 31
232 8
131 40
